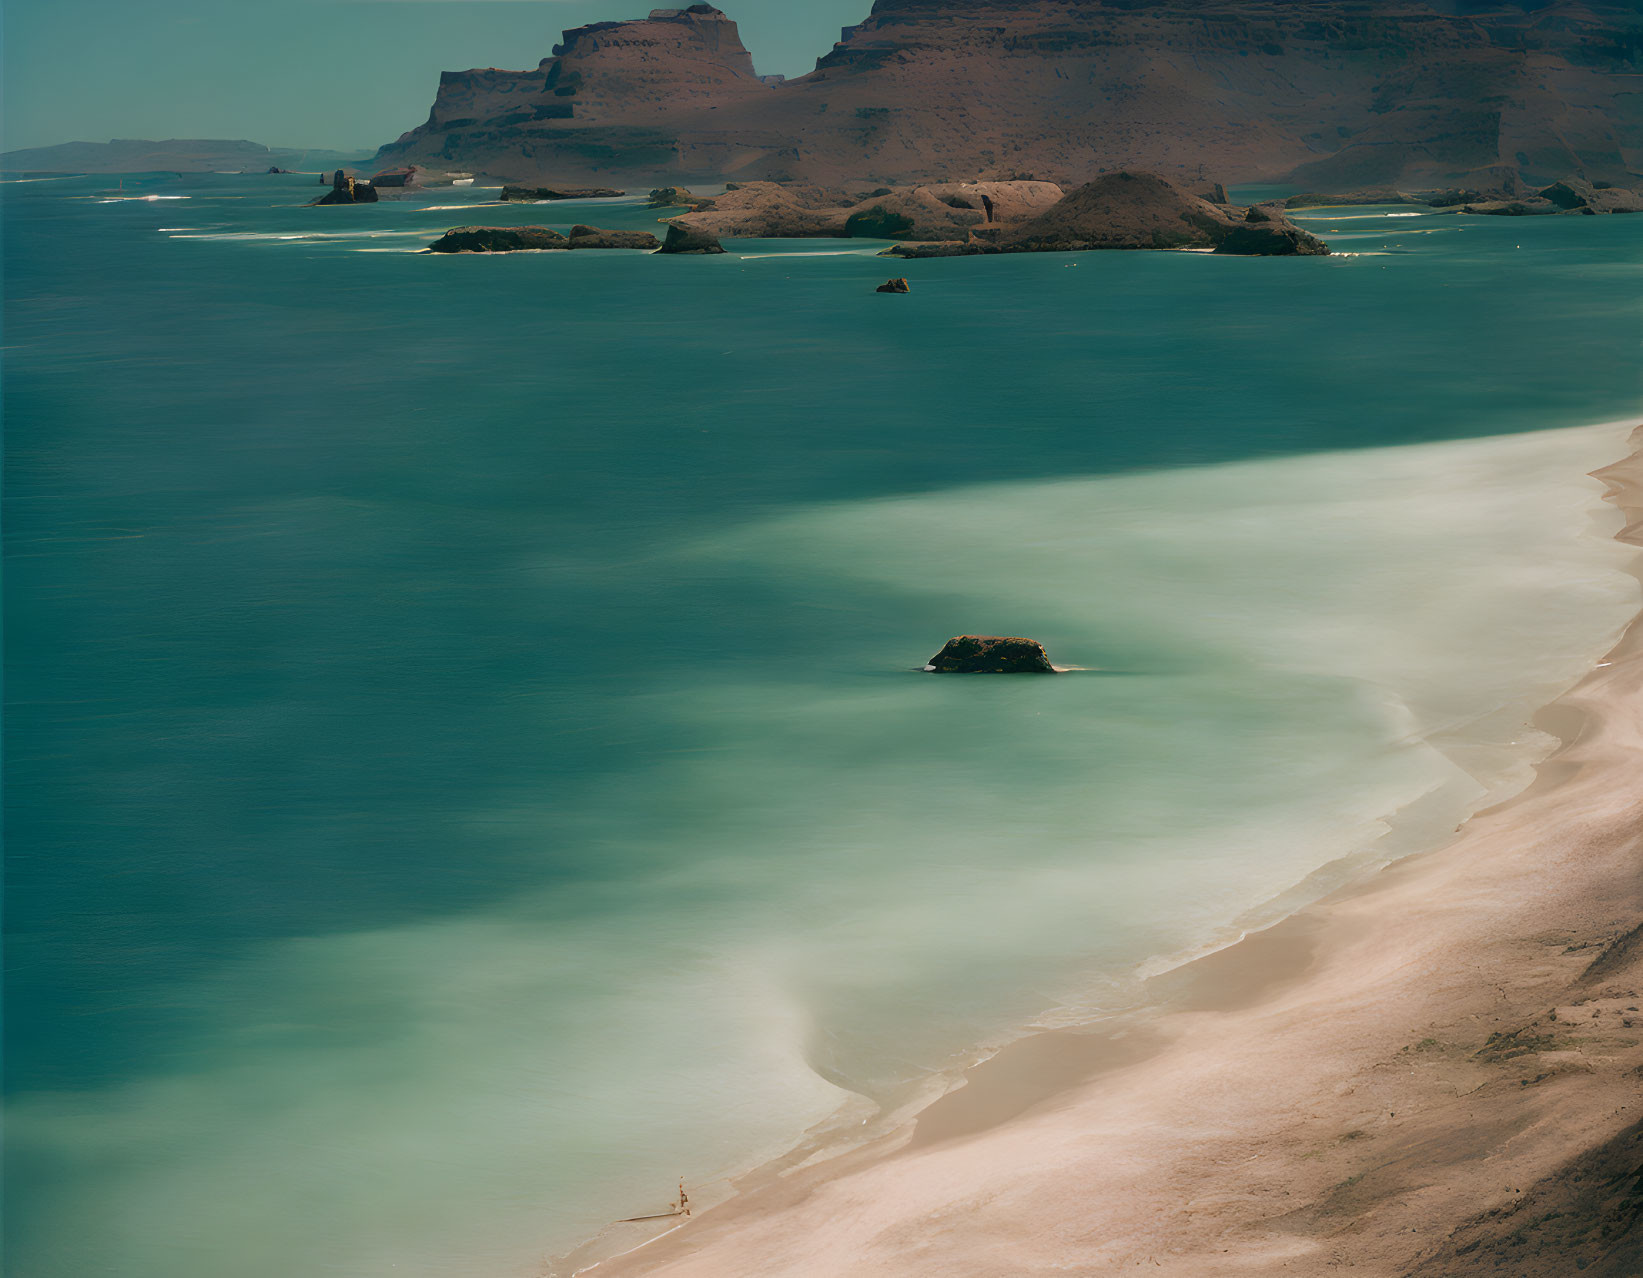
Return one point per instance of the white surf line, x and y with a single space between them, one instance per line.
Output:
1316 215
590 1268
321 236
871 252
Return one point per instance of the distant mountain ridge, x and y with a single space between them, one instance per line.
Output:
1329 93
176 155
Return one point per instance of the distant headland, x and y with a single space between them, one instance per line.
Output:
175 155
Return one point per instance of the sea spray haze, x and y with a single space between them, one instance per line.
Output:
468 763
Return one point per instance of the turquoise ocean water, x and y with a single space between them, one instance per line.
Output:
466 761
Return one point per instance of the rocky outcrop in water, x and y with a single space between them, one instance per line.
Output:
770 210
498 239
685 240
1266 238
941 248
541 193
1576 196
345 190
1135 210
1571 197
593 237
1123 210
1345 95
990 654
673 197
797 210
897 285
1512 208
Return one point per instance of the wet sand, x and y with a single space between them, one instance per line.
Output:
1437 1071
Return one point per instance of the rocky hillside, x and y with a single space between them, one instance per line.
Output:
1331 93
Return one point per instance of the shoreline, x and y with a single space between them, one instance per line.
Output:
1249 1121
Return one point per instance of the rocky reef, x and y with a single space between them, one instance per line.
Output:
990 654
1336 94
498 239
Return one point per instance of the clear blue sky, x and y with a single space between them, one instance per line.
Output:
324 73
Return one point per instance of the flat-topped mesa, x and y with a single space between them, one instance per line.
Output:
652 66
1341 93
603 102
990 654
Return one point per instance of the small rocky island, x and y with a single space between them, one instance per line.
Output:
1123 210
990 654
346 190
682 239
498 239
550 193
522 239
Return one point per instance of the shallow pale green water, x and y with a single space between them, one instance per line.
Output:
467 762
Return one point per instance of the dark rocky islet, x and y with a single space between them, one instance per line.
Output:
545 193
498 239
990 654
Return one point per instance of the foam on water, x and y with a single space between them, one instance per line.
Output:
859 874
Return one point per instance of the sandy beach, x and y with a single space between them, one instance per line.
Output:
1433 1072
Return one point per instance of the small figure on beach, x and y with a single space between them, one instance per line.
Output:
680 1208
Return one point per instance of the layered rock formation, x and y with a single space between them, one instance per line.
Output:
1337 93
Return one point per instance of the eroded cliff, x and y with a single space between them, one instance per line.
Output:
1337 93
